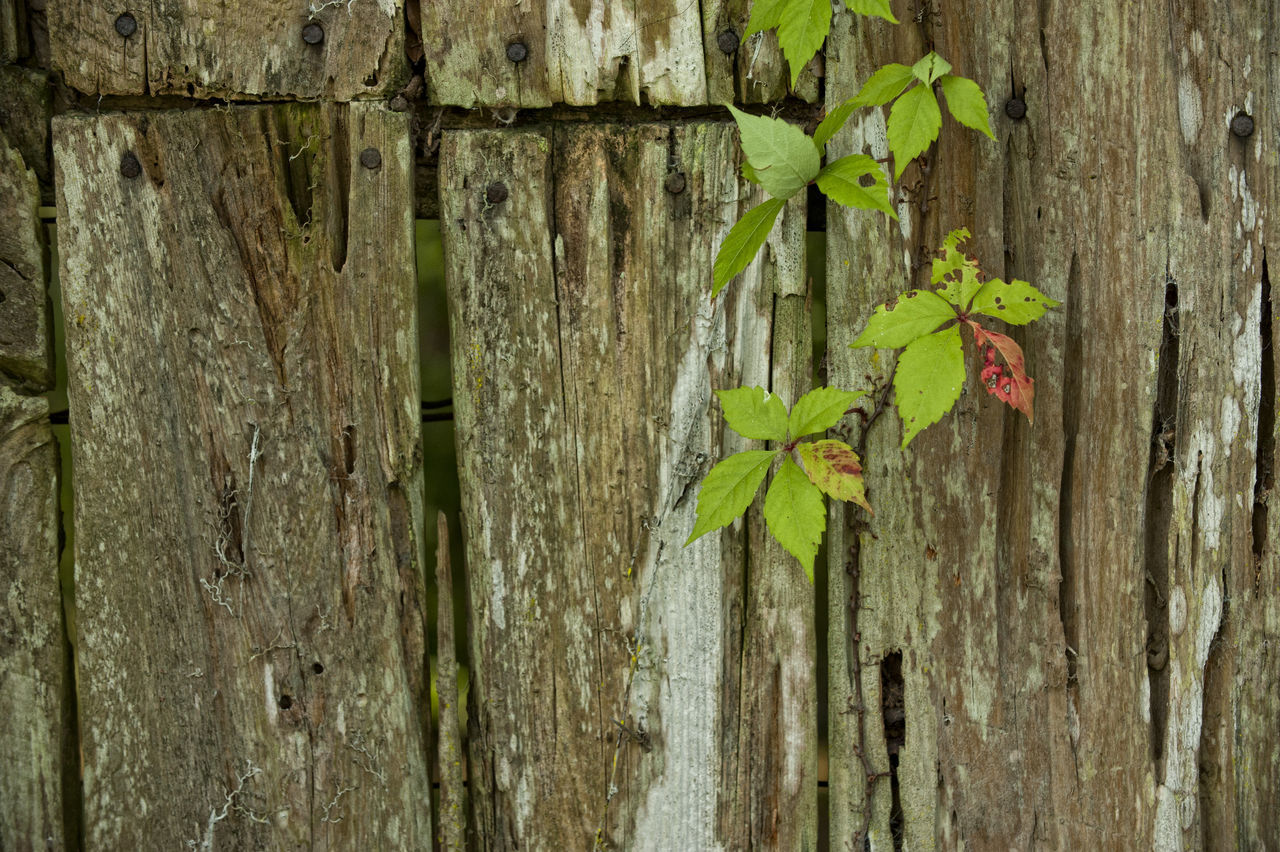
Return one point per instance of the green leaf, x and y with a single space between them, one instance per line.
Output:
754 413
872 9
883 86
905 319
928 380
831 124
794 512
728 490
804 27
743 242
914 122
839 181
820 409
930 67
833 466
783 157
765 15
1015 302
966 103
750 174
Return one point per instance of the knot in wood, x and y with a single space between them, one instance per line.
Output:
313 33
126 25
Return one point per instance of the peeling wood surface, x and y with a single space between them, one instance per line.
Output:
208 49
1081 607
586 351
654 52
244 394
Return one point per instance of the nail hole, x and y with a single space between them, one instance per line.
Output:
285 702
317 668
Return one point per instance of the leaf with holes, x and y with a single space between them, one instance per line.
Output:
834 467
957 270
783 157
914 122
901 321
1016 302
928 379
966 103
1009 381
728 490
841 181
754 413
743 242
795 514
819 410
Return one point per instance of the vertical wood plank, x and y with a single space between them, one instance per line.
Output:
36 699
610 662
1065 596
206 49
244 397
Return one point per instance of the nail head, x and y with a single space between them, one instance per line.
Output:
1015 108
674 183
370 158
129 165
1242 125
399 103
313 33
496 193
727 41
517 51
126 25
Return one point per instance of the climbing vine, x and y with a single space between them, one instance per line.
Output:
926 324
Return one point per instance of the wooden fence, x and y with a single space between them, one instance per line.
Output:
1048 636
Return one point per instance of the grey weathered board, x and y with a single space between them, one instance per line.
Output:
657 52
244 49
586 347
241 330
36 742
1085 608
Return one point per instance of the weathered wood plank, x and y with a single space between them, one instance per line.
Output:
26 105
452 832
586 349
1057 593
37 738
655 52
244 397
209 49
25 354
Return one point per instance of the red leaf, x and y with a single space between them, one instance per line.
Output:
1008 381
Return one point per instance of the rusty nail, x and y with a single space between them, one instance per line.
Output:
1242 125
1015 108
674 183
399 103
496 193
126 25
370 158
727 41
517 51
129 165
313 33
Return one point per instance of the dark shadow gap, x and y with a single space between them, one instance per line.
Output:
893 710
1264 476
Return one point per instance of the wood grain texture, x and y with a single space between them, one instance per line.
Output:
25 353
244 393
655 52
452 832
1069 599
586 349
26 105
36 700
209 49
